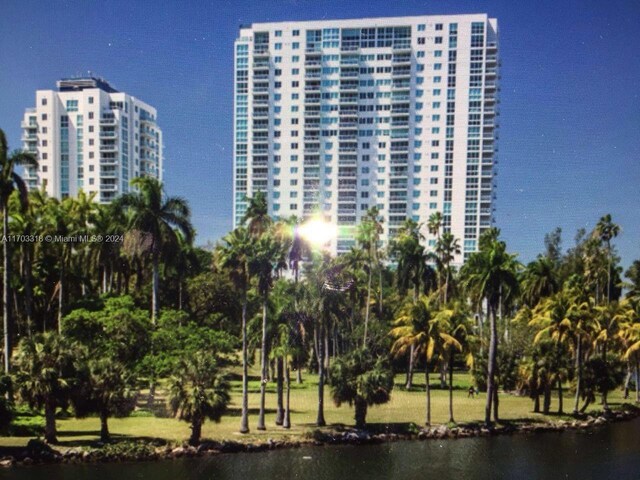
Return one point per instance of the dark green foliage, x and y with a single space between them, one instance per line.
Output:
198 392
362 380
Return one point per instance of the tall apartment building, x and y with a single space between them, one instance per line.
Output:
89 136
334 117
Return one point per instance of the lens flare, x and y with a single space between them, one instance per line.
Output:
317 232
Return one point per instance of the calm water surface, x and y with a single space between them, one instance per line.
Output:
611 452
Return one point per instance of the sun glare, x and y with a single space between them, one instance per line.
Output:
317 232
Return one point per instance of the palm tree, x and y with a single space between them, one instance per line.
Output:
361 380
368 235
491 273
453 320
283 350
268 253
630 332
540 280
235 255
610 318
111 392
434 225
554 319
257 217
447 247
411 260
10 181
421 329
44 376
155 218
198 392
606 231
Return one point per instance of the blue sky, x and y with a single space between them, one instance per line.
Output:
569 147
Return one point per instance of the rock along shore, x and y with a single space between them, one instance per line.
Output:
38 452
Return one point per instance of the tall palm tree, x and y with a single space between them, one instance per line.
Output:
555 320
156 218
630 332
257 218
10 182
236 253
409 253
610 317
539 280
368 236
447 247
606 231
421 329
269 252
454 321
491 273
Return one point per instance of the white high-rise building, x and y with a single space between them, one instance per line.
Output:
88 136
334 117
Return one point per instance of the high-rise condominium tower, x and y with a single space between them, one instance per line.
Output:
89 136
337 116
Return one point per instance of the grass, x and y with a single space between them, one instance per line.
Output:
405 407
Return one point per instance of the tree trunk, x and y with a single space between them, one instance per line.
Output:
536 403
152 394
244 421
443 374
180 294
28 290
361 413
605 405
320 422
154 290
196 431
451 420
546 405
627 381
493 346
380 287
637 381
50 433
428 394
104 427
560 399
496 402
61 293
576 400
327 357
446 287
299 372
410 368
263 364
279 388
6 322
104 279
366 314
587 402
286 422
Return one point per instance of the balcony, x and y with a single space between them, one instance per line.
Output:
107 120
108 134
109 147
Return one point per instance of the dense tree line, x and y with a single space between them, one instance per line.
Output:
95 322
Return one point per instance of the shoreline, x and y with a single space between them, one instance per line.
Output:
37 452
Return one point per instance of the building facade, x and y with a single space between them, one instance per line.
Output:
334 117
88 136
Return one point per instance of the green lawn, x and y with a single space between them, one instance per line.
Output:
404 407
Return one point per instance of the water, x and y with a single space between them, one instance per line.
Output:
610 452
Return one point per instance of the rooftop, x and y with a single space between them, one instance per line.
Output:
83 83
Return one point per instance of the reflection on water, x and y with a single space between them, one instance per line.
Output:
611 452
